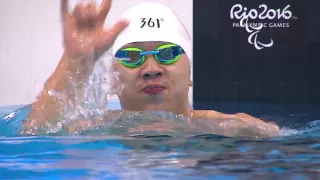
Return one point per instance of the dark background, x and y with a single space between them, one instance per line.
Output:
231 75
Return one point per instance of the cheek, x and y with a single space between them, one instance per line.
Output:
179 75
124 77
127 77
181 79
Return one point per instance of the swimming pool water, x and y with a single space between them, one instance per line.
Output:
161 156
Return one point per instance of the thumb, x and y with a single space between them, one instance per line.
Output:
109 36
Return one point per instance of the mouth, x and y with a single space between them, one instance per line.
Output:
153 89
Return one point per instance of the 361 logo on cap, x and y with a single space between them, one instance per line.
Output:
151 22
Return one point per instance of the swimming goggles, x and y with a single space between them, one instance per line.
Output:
134 57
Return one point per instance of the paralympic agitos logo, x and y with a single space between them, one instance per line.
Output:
252 21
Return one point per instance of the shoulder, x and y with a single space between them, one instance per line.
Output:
209 114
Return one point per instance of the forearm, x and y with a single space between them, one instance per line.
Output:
60 90
233 125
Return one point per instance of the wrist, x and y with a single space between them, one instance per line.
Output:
78 67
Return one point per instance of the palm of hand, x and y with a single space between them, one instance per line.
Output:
83 32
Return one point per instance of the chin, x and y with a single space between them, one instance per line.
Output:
156 107
157 100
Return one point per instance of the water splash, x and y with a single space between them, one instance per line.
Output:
289 132
88 102
97 89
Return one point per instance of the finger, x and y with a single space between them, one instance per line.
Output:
66 17
91 11
67 21
115 30
108 37
104 10
64 8
85 14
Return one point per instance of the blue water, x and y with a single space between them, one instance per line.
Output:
296 155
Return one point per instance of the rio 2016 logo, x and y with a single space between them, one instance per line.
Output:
241 13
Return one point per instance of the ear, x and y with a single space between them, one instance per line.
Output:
191 83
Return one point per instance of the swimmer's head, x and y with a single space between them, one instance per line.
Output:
151 22
152 56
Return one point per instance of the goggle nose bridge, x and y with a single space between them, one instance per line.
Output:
149 52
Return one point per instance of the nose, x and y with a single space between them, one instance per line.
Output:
152 75
151 70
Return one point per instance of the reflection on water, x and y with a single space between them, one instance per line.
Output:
203 156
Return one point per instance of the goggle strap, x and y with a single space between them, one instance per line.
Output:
149 52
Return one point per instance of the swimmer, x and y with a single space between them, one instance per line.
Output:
152 53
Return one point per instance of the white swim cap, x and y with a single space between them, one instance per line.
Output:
153 22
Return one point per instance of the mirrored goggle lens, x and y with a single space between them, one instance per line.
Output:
129 55
169 53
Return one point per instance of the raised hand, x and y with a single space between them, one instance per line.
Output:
83 32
